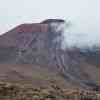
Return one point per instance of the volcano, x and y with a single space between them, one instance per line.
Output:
34 50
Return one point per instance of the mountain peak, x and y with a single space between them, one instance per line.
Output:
39 44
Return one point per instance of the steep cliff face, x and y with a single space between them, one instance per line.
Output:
41 44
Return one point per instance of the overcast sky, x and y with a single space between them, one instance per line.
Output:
83 14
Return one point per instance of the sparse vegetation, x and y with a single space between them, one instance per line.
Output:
10 91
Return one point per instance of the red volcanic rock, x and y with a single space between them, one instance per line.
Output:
29 28
22 34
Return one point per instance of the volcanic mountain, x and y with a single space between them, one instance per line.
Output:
36 48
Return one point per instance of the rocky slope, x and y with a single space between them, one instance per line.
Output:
40 45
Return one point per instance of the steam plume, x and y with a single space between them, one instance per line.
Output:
68 36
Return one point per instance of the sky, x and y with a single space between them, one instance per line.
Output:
83 14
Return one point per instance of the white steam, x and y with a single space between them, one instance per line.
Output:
71 36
